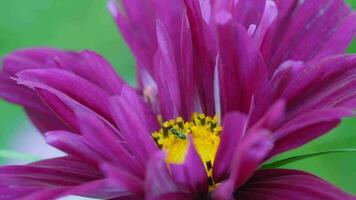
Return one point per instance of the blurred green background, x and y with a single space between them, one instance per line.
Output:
86 24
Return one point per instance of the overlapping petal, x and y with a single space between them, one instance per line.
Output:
86 65
278 184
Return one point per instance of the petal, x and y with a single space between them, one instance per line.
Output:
96 189
105 140
192 172
126 181
74 144
326 84
126 113
306 30
61 81
271 119
242 69
249 155
234 129
306 127
278 184
158 180
168 85
66 172
45 121
317 98
174 196
137 27
97 72
204 51
100 72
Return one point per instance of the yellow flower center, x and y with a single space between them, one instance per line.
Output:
205 133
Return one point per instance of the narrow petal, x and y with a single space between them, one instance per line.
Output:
306 30
306 127
249 155
174 196
74 144
69 84
192 172
242 69
48 58
21 181
278 184
234 129
106 140
168 85
126 181
204 50
134 132
158 180
105 74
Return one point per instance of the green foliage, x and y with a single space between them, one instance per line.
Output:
285 161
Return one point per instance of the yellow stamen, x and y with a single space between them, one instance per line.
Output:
204 131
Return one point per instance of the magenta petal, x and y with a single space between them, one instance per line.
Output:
137 28
175 196
69 84
96 189
45 122
158 180
204 51
74 144
234 129
224 191
105 140
168 85
309 30
126 113
249 155
192 172
100 72
326 84
306 127
58 173
242 70
47 58
273 117
280 184
133 185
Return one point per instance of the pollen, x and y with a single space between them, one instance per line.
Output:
205 133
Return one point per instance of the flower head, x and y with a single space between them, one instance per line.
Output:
222 87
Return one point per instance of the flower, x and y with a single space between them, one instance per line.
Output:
223 86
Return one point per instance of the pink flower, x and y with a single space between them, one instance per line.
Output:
224 85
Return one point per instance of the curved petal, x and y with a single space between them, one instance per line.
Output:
308 30
192 172
87 65
234 129
242 69
316 99
247 157
279 184
56 174
126 112
306 127
204 51
158 180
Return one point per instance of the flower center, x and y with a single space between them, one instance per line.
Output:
205 133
